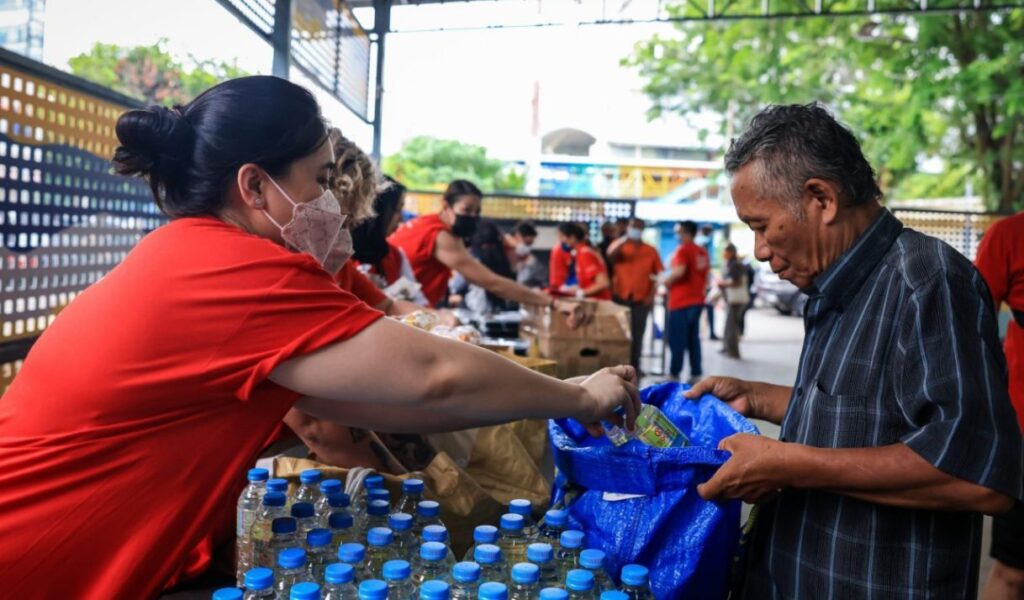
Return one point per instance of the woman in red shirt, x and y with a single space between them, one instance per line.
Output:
590 269
128 431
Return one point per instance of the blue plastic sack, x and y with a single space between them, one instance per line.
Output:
687 543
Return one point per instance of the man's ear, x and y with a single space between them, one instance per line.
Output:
823 197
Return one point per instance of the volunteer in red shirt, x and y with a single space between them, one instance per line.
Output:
1000 260
686 281
635 265
560 268
591 273
129 429
435 245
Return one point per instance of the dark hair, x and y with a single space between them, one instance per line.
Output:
572 230
689 227
622 221
369 238
637 221
796 142
459 188
488 247
730 247
191 153
525 229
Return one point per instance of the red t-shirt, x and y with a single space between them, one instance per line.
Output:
417 239
1001 262
354 282
389 267
589 265
689 291
634 266
558 267
125 438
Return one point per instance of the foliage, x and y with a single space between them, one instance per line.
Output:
427 163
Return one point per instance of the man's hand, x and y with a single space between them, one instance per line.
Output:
755 473
752 399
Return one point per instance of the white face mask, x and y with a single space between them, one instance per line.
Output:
315 228
635 234
522 250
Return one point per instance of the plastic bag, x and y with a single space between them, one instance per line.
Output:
640 504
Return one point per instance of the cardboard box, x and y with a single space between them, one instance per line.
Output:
603 342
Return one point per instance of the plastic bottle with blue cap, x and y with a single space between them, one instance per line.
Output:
272 507
553 593
342 528
379 550
354 555
278 485
328 488
304 514
362 500
319 552
435 590
227 594
432 563
248 507
492 563
259 584
309 487
283 534
439 533
482 534
405 543
337 504
614 595
340 582
412 494
377 515
551 528
373 589
305 590
636 582
524 508
571 544
593 560
580 583
543 555
525 582
292 568
465 580
398 574
513 541
493 590
428 513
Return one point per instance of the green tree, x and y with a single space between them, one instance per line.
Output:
912 87
150 73
427 163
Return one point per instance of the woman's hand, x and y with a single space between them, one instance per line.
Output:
607 390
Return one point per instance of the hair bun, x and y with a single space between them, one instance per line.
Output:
156 142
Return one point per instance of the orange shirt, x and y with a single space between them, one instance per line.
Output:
690 290
125 438
633 267
558 267
354 282
589 265
417 239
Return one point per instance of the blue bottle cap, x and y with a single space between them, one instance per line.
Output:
307 590
614 595
396 570
373 482
302 510
283 525
485 534
338 573
635 575
433 551
255 475
277 485
521 507
379 494
556 518
310 476
428 508
339 500
373 589
259 578
400 522
378 508
274 499
291 558
229 593
553 593
434 590
352 553
525 573
340 520
579 580
511 522
330 486
380 536
487 554
540 553
412 486
318 537
492 590
466 572
591 559
435 533
571 539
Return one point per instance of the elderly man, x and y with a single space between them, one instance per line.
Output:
898 432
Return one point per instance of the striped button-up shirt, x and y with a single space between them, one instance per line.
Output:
901 346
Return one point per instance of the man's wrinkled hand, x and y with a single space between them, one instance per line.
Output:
755 472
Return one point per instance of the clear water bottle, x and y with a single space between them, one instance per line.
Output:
483 534
439 533
432 563
259 584
466 578
380 494
278 485
338 503
373 589
543 556
305 515
571 544
319 552
360 502
272 508
398 574
376 516
227 594
593 561
406 544
412 494
428 513
305 590
328 488
309 487
354 555
581 585
249 503
636 582
553 593
435 590
525 582
513 541
551 528
492 563
292 568
284 534
524 508
342 530
340 582
493 590
380 549
614 595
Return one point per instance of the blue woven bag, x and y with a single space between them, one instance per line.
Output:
640 504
